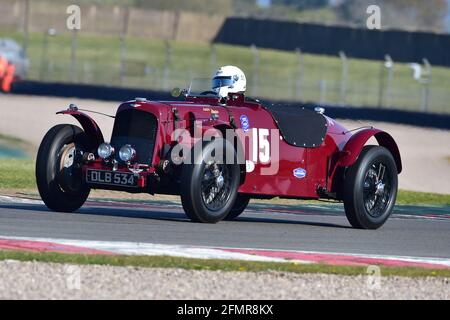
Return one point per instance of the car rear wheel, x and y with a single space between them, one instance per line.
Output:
239 206
58 173
208 185
370 188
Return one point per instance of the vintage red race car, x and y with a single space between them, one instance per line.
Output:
217 154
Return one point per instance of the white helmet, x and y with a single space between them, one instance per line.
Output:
229 79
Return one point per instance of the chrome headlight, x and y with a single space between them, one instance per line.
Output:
127 153
105 150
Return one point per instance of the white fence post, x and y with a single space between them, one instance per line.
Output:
426 83
73 56
344 77
255 77
299 84
389 64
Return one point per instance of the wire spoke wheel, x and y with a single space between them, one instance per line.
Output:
68 177
209 186
377 187
216 186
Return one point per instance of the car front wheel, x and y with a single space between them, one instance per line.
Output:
58 174
208 185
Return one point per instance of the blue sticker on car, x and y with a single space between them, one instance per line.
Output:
245 124
300 173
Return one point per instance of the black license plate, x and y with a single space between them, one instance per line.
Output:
111 178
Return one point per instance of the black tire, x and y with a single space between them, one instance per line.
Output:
370 188
60 184
239 206
196 177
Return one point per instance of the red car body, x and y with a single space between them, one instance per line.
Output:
322 164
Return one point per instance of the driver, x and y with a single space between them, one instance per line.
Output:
229 79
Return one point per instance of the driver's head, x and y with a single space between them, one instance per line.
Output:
229 79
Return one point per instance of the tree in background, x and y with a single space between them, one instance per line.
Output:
398 14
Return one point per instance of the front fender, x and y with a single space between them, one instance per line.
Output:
357 141
90 127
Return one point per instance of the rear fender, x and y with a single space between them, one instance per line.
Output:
90 127
356 143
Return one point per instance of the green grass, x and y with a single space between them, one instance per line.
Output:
417 198
214 264
98 62
19 174
16 174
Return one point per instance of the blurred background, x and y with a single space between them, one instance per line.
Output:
293 51
327 56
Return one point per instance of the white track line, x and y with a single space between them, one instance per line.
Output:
8 199
151 249
200 252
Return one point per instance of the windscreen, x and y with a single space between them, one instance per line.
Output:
200 86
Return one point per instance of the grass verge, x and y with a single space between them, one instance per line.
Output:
19 174
417 198
214 264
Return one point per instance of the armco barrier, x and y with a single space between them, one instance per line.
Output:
440 121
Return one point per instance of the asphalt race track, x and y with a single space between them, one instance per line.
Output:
309 228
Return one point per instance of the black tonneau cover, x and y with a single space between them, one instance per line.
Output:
299 126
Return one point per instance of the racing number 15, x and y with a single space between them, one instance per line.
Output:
260 145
